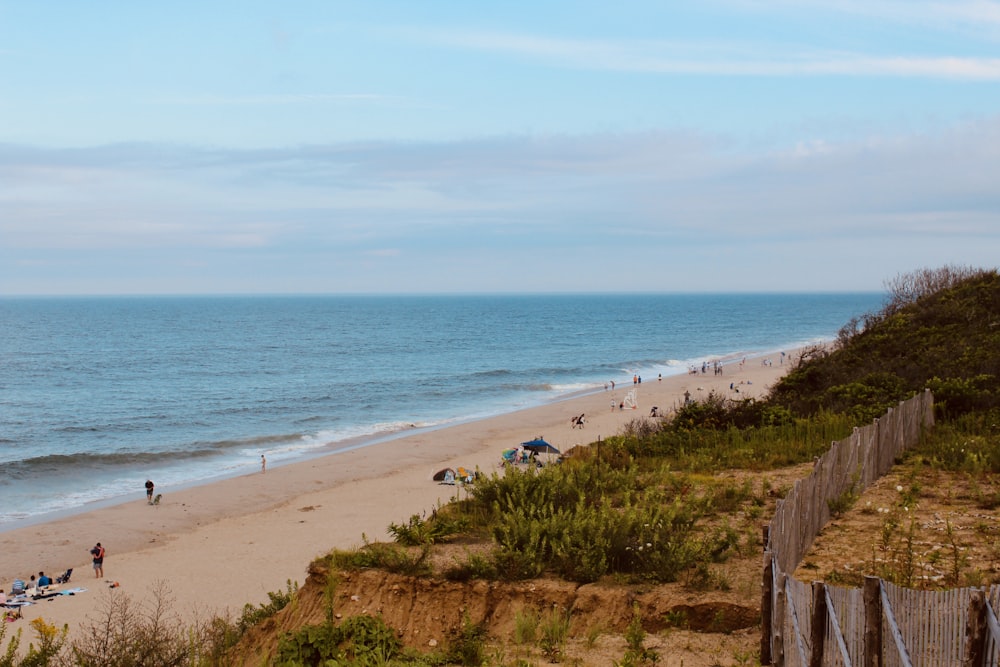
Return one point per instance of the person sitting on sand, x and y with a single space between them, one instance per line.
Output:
43 580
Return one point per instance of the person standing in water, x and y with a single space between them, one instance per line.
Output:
263 464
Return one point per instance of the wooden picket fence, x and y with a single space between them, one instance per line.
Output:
879 624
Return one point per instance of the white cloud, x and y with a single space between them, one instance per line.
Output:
270 99
720 59
658 201
973 16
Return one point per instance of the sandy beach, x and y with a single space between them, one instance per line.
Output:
219 546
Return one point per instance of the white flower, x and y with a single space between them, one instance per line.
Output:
899 488
648 545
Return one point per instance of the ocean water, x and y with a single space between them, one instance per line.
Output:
99 393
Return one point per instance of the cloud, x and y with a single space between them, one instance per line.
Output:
412 216
974 16
272 99
713 59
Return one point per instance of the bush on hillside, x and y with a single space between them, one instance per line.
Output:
940 328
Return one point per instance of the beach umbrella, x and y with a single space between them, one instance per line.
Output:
539 446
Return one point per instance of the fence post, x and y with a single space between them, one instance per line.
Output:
975 631
873 622
817 633
778 629
767 590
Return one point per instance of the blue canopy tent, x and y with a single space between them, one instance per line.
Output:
539 446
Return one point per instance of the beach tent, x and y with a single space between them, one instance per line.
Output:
539 446
445 476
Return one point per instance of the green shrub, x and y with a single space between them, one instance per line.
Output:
385 556
474 566
468 647
554 630
276 602
361 640
635 637
418 531
847 498
46 649
525 626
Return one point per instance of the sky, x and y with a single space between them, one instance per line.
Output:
517 147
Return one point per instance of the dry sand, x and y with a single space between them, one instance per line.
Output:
219 546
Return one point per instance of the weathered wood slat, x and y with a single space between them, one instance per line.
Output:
901 653
834 624
933 623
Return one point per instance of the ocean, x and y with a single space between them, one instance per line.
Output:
99 393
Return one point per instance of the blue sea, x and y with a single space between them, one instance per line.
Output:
99 393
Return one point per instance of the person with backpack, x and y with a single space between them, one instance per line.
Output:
97 552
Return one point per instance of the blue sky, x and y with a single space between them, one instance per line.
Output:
335 147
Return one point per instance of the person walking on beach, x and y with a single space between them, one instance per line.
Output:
149 491
263 464
97 552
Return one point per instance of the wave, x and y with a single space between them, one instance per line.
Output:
54 463
498 372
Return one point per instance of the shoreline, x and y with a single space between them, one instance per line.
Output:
331 449
372 439
219 545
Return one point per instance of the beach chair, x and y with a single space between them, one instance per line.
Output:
64 577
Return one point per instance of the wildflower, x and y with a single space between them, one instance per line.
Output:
648 545
899 488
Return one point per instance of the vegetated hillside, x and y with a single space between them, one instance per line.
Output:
945 337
